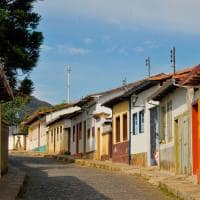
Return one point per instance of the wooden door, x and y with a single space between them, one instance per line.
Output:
98 145
176 142
84 137
110 145
195 139
182 144
153 134
69 139
185 145
77 139
54 140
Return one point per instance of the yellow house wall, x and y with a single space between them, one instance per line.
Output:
61 141
105 144
118 111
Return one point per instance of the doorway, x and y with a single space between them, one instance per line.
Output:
154 135
182 144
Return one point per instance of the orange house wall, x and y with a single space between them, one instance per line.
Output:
196 139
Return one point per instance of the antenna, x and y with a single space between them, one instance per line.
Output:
173 59
69 70
148 65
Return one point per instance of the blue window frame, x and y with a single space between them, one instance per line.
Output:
135 124
141 121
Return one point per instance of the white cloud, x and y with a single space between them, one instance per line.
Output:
120 49
46 47
139 49
88 41
170 15
151 44
74 51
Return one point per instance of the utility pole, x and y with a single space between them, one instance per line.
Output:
124 81
148 65
173 59
69 70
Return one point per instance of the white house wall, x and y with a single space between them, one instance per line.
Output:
179 106
140 143
56 114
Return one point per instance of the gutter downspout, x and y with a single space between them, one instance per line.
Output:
129 149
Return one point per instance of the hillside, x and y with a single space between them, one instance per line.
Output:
33 105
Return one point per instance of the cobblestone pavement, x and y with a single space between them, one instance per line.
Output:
53 180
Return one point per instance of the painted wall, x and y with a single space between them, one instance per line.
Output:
17 142
140 143
120 149
57 138
87 116
37 135
179 106
56 114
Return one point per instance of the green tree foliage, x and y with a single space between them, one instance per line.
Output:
19 39
26 87
11 110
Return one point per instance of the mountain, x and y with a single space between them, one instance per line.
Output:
33 105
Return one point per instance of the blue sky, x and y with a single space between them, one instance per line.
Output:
106 41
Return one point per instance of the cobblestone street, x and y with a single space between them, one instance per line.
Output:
51 179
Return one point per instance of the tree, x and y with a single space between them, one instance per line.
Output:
19 40
11 109
26 87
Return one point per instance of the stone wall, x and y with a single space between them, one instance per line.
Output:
139 159
120 152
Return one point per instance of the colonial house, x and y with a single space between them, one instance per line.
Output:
121 125
37 131
6 94
192 81
36 140
144 121
174 124
86 127
91 132
59 130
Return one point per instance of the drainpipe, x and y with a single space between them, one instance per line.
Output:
129 146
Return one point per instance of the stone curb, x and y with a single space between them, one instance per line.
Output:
180 188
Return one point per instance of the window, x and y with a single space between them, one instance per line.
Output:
60 132
80 131
88 133
57 135
141 121
77 131
51 136
84 128
73 133
125 127
93 131
135 124
166 123
118 129
169 121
